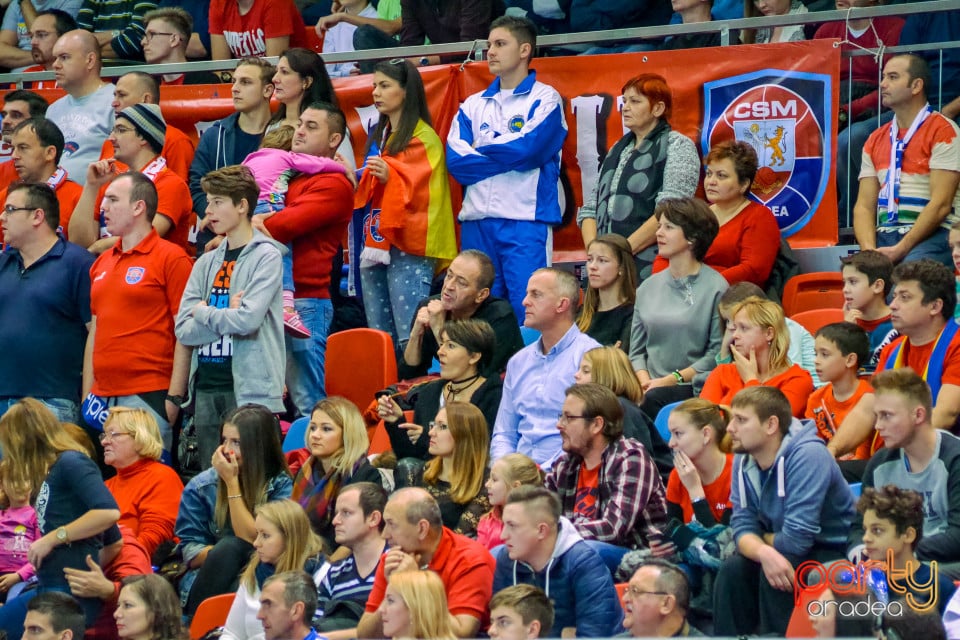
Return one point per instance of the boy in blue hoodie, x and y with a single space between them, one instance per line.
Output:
542 548
790 504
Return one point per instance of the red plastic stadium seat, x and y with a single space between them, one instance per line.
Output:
211 613
359 362
814 319
820 290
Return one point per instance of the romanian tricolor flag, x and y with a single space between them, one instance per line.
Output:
412 211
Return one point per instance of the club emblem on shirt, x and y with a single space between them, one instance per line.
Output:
135 275
516 123
783 115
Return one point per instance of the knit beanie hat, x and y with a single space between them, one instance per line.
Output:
149 123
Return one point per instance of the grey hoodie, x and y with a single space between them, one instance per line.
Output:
259 356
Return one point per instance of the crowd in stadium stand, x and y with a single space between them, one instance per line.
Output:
657 450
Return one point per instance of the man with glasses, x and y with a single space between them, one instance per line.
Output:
84 115
46 30
45 315
656 602
608 485
540 372
19 24
543 549
134 359
165 41
137 138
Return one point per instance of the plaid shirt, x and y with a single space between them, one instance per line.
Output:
631 495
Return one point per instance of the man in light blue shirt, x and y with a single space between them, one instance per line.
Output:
539 374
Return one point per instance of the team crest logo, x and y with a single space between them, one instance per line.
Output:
783 116
516 123
135 275
371 225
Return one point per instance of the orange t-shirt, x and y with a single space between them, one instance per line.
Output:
588 490
724 383
916 357
717 493
822 404
135 296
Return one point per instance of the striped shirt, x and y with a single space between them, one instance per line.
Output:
124 16
344 583
934 146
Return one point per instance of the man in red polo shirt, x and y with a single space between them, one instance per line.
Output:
414 530
132 356
137 138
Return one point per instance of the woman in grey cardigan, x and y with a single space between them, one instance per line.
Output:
677 328
652 162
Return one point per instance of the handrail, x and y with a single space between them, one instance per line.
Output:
560 40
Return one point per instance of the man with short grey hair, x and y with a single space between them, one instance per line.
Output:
287 604
539 374
418 540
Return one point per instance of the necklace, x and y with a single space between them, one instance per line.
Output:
454 391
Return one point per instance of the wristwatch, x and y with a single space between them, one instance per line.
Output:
62 535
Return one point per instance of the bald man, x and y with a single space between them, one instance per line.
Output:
138 87
85 114
417 538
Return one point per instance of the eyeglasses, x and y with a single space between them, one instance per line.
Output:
9 209
636 592
119 128
150 35
439 426
565 418
111 436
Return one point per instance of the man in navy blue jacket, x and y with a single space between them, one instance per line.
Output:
544 549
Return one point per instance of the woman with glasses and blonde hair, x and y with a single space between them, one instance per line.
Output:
146 490
759 348
415 606
73 506
338 443
284 542
405 178
215 524
456 475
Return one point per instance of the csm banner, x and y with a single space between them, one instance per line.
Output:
783 115
780 98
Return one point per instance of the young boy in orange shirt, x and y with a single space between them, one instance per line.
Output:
867 279
840 349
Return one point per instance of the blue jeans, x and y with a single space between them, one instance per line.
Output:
305 356
392 292
287 262
517 249
65 410
611 554
934 247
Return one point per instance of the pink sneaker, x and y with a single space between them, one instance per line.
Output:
294 325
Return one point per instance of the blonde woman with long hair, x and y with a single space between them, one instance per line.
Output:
73 505
338 443
610 367
415 606
457 472
284 542
759 348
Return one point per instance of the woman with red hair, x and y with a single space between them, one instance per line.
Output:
649 164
